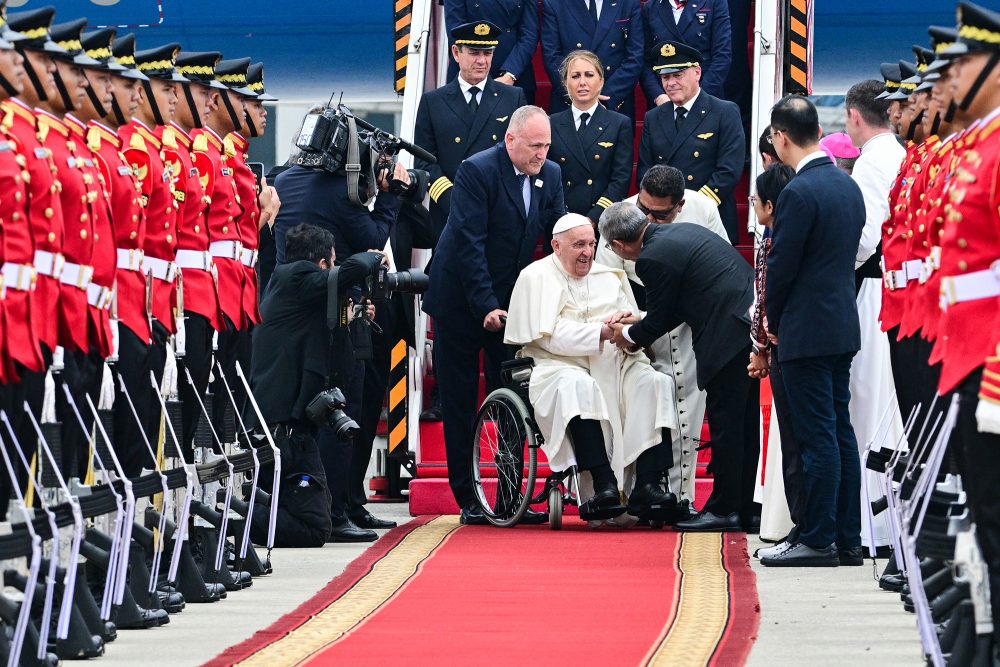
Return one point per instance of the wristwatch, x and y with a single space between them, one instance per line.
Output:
510 74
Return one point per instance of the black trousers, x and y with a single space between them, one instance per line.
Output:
915 380
733 404
791 457
339 454
234 345
82 373
591 454
981 479
198 360
136 360
457 374
31 389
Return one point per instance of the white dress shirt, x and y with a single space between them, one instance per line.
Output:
600 5
809 158
874 172
579 112
466 86
677 8
687 105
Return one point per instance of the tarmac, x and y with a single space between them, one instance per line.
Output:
815 616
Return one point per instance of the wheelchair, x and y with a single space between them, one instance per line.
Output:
506 441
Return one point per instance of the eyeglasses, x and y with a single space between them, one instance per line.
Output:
770 135
752 199
658 215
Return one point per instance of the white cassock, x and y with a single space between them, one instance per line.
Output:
680 366
557 318
871 374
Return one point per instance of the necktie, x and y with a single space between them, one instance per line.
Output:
474 100
583 122
593 10
679 119
525 192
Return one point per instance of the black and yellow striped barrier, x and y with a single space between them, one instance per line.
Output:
396 418
403 17
798 64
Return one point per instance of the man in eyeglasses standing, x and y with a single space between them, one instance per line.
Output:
664 200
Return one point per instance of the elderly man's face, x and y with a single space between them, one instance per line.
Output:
575 249
528 146
682 86
473 64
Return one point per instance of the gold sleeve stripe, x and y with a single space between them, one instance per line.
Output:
439 187
707 191
604 202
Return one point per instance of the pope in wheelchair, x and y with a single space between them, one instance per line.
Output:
606 412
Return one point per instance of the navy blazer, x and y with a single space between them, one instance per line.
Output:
597 164
488 238
616 39
809 296
704 25
709 149
518 23
446 127
693 276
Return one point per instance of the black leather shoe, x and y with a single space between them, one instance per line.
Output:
651 502
472 516
372 522
432 413
800 555
348 532
171 602
605 496
533 518
752 527
706 522
891 582
851 557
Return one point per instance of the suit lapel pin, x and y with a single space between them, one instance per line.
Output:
707 135
503 119
605 144
538 183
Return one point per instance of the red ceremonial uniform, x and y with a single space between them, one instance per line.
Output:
78 231
970 256
216 174
46 220
894 229
99 292
144 154
248 221
193 255
17 252
129 223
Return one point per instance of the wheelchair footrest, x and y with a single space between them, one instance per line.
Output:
667 512
589 512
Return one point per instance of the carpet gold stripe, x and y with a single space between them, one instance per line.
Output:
387 577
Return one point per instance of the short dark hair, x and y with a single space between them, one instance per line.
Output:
797 117
846 163
861 96
309 243
664 181
772 181
764 145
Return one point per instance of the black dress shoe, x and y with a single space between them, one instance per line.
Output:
533 518
801 555
651 502
472 516
606 497
372 522
705 521
851 557
752 527
348 532
171 602
432 413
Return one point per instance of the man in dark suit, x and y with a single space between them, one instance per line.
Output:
465 116
693 277
703 25
612 29
518 23
505 199
695 132
811 310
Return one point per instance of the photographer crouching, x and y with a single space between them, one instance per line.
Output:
296 370
347 182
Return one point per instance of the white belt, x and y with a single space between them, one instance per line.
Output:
18 276
912 268
98 297
970 286
130 259
228 249
931 264
894 280
161 268
249 258
48 263
194 259
77 275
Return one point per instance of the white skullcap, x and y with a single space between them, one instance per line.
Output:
569 221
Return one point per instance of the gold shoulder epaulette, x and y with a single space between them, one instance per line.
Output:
229 146
200 143
990 129
169 138
94 139
136 141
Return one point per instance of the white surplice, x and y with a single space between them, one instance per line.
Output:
557 318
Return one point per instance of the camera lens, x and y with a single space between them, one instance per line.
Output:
343 425
409 282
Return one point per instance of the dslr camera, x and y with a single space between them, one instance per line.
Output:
339 142
327 409
381 284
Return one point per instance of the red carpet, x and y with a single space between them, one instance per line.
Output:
433 593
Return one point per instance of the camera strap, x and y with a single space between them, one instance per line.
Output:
332 300
353 165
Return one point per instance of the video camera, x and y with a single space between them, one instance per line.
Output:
339 142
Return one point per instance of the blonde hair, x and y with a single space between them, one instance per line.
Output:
581 54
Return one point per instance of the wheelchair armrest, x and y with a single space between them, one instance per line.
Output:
516 373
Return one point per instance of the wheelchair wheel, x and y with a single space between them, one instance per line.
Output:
555 508
504 450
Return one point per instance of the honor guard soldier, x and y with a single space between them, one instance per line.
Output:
144 154
216 172
703 25
969 329
202 317
611 30
592 146
892 78
697 133
465 116
518 24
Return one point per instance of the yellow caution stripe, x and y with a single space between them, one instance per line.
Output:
799 66
708 192
396 415
439 187
403 14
